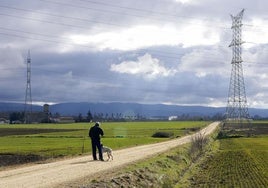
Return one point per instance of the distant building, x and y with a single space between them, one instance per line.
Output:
172 118
3 121
157 118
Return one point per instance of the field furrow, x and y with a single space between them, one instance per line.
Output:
239 162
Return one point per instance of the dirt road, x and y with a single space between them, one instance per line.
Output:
55 173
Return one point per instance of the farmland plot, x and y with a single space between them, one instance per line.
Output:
240 162
56 140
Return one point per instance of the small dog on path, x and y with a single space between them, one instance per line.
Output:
108 151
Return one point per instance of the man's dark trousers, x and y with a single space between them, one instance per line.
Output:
96 144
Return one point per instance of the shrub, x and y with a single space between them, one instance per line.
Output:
222 135
198 143
163 135
229 134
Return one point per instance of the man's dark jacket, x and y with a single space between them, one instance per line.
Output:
95 132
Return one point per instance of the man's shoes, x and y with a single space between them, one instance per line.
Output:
95 159
101 160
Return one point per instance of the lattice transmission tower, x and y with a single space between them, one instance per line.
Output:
237 107
28 93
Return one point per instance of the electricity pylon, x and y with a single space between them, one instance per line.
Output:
28 94
237 108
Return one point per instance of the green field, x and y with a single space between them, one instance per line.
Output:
52 140
239 162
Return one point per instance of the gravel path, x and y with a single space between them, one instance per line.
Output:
56 173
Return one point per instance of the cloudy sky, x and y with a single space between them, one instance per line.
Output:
144 51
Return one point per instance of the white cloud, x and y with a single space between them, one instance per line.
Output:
150 35
145 65
130 39
184 1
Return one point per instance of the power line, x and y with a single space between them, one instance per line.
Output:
64 38
65 17
128 14
46 40
139 51
53 36
45 21
31 33
87 20
256 27
43 35
89 8
142 10
153 12
131 8
59 16
58 37
83 19
159 13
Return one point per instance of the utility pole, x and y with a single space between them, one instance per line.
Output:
28 94
237 108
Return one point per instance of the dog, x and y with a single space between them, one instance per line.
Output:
108 151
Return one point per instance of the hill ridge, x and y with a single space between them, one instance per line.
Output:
147 110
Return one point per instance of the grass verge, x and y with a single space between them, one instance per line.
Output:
164 170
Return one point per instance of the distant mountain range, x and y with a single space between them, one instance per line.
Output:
128 109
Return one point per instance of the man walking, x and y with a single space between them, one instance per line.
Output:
94 133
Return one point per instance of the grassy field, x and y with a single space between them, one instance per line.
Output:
239 162
52 140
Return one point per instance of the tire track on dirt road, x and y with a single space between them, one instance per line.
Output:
56 173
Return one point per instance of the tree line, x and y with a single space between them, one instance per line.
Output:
19 117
